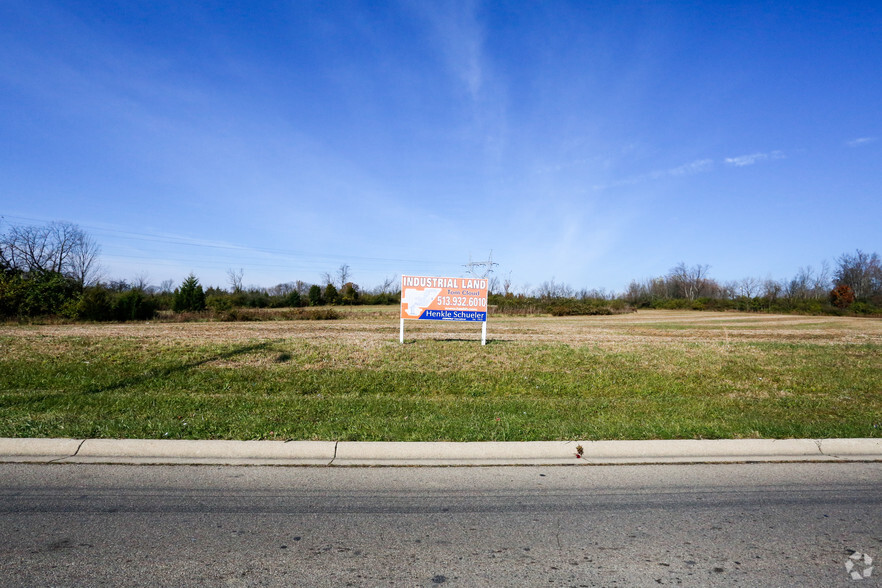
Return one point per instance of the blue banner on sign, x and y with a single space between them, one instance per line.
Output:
453 315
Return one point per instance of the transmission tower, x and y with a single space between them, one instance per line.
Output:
480 269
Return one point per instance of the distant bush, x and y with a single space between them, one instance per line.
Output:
319 314
12 292
527 305
292 300
331 295
804 306
866 308
588 307
36 293
257 299
134 305
842 296
47 294
349 294
219 302
97 303
190 296
671 304
379 298
315 296
577 310
292 314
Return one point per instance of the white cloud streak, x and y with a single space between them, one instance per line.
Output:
688 169
753 158
861 141
698 166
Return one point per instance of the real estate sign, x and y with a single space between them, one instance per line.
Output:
444 299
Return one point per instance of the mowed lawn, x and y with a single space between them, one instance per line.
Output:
646 375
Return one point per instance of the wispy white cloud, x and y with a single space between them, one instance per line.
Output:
743 160
698 166
861 141
687 169
460 39
559 166
456 31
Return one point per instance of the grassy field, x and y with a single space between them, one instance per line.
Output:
647 375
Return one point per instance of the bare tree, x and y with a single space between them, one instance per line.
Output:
282 289
862 272
771 289
84 266
64 238
798 287
343 274
729 290
5 262
637 292
506 284
388 282
302 288
595 294
8 252
118 286
550 290
30 249
808 284
690 281
57 247
141 282
821 285
749 287
234 277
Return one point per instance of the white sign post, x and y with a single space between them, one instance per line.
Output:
444 299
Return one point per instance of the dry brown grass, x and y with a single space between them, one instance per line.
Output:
367 330
369 339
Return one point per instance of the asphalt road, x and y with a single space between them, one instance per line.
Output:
695 525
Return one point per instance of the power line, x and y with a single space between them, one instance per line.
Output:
196 243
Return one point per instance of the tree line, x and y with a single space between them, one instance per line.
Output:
54 270
853 285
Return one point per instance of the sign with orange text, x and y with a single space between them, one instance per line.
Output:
443 299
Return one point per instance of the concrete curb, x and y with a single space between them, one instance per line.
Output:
45 448
156 451
349 453
191 451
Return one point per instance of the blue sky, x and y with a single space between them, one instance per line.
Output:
589 142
